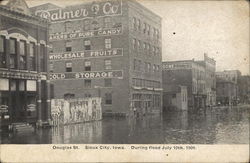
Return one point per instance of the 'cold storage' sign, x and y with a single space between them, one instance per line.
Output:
86 54
85 34
87 75
83 11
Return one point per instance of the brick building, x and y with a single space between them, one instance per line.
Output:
24 88
187 73
227 91
110 49
244 89
210 79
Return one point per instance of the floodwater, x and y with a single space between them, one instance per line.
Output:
210 126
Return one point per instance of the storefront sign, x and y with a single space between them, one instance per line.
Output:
87 54
31 85
176 66
87 75
4 84
84 34
19 75
110 8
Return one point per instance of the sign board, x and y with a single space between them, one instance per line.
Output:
84 34
173 66
83 11
4 84
31 85
87 75
86 54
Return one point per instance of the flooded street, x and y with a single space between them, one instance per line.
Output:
212 126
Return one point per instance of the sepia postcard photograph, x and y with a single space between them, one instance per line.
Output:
135 80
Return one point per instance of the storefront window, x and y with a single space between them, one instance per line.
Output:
21 85
13 85
2 52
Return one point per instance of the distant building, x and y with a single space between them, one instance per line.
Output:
187 73
227 90
24 84
175 98
244 89
210 79
108 49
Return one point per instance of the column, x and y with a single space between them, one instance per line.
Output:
48 103
39 103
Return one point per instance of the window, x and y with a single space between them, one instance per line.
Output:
138 44
2 52
144 46
95 25
148 48
134 23
108 82
87 65
138 24
134 43
149 67
22 84
51 67
23 58
144 27
13 55
153 50
87 45
87 83
107 22
42 58
108 98
68 66
107 64
68 46
68 27
32 58
154 68
108 43
86 25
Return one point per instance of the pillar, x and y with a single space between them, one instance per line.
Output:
48 102
39 103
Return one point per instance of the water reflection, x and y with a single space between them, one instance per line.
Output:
210 126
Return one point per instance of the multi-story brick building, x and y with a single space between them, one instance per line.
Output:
187 73
110 49
244 89
24 88
210 79
227 79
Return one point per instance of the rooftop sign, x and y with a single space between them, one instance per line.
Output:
95 9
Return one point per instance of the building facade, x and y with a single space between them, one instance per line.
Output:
174 98
107 49
24 88
227 79
187 73
210 79
244 89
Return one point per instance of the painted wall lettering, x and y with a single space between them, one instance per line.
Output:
87 75
86 54
87 34
83 11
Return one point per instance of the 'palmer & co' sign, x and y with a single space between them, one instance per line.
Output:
84 34
87 75
82 11
86 54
